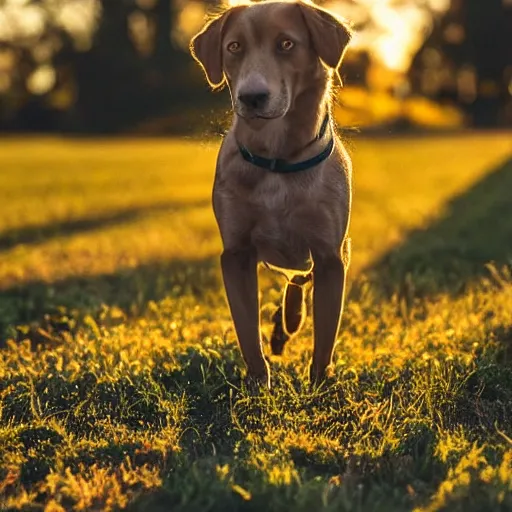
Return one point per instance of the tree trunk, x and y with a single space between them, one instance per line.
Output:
489 40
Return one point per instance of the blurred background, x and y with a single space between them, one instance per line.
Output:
122 66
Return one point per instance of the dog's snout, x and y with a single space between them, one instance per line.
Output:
254 100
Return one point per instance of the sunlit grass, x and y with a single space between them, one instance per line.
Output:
120 374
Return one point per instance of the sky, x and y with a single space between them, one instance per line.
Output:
393 32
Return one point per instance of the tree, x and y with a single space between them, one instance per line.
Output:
465 60
489 42
132 70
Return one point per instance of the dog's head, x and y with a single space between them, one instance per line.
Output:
269 52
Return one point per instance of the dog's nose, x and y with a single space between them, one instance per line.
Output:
254 100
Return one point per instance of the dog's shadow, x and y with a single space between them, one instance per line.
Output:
454 251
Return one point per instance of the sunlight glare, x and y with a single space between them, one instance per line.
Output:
17 19
41 80
402 31
190 20
390 52
394 34
79 17
439 5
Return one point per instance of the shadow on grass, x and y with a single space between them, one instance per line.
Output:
50 306
31 235
453 251
216 423
59 307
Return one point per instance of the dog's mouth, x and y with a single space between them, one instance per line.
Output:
254 115
250 114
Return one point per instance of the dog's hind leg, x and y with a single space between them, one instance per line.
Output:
289 317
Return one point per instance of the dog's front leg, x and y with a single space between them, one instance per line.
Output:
328 292
240 274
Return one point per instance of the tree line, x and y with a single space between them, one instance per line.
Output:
133 75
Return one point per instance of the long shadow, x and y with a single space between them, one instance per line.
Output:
453 252
33 234
57 307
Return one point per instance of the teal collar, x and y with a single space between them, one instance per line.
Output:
282 166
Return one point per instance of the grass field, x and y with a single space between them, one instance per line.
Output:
119 370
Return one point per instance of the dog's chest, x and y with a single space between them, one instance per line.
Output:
275 233
271 195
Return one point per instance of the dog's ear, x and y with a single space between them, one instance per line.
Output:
206 48
329 35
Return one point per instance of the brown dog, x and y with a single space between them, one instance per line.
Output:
282 191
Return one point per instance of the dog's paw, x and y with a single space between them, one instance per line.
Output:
255 382
320 377
254 385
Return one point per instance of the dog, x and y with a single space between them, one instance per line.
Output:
282 191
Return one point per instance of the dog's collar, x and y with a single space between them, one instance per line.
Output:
282 166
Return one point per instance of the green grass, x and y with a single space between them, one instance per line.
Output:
120 376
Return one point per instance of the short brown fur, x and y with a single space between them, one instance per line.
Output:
296 222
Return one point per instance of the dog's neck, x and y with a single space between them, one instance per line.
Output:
291 136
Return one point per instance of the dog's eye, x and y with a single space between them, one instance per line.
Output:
286 45
234 47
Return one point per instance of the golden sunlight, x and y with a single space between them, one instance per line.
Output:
391 32
395 32
17 19
190 20
42 80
